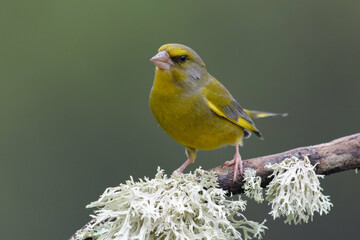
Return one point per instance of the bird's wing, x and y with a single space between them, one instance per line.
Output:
223 104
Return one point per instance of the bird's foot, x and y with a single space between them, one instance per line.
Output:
180 169
229 163
238 167
175 173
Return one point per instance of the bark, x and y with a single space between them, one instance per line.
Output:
336 156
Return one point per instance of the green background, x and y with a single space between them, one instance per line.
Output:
75 78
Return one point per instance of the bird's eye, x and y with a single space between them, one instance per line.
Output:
182 58
179 59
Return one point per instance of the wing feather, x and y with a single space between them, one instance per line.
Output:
223 104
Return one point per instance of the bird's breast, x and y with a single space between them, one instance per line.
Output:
189 120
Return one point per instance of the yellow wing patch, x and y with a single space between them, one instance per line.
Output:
245 124
240 121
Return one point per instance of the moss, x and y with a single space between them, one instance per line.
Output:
189 206
252 185
192 206
295 191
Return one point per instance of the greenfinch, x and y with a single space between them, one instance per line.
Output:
195 109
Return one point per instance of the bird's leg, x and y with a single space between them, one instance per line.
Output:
191 155
238 163
181 168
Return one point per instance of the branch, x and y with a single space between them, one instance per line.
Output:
336 156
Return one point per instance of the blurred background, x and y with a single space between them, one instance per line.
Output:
75 78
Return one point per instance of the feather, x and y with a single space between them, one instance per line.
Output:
223 104
258 114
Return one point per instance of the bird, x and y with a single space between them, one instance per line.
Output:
195 109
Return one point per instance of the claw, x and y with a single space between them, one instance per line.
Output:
229 163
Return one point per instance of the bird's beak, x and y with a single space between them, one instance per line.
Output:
162 60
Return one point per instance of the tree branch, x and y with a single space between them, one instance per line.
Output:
336 156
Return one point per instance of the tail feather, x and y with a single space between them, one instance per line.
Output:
258 114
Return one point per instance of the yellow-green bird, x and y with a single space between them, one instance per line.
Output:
194 108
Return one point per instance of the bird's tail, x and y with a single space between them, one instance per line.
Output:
258 114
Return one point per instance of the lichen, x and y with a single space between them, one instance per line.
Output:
295 191
188 206
252 185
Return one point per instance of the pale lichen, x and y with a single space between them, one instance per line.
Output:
188 206
295 191
252 185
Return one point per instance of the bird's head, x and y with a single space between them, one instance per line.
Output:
182 62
